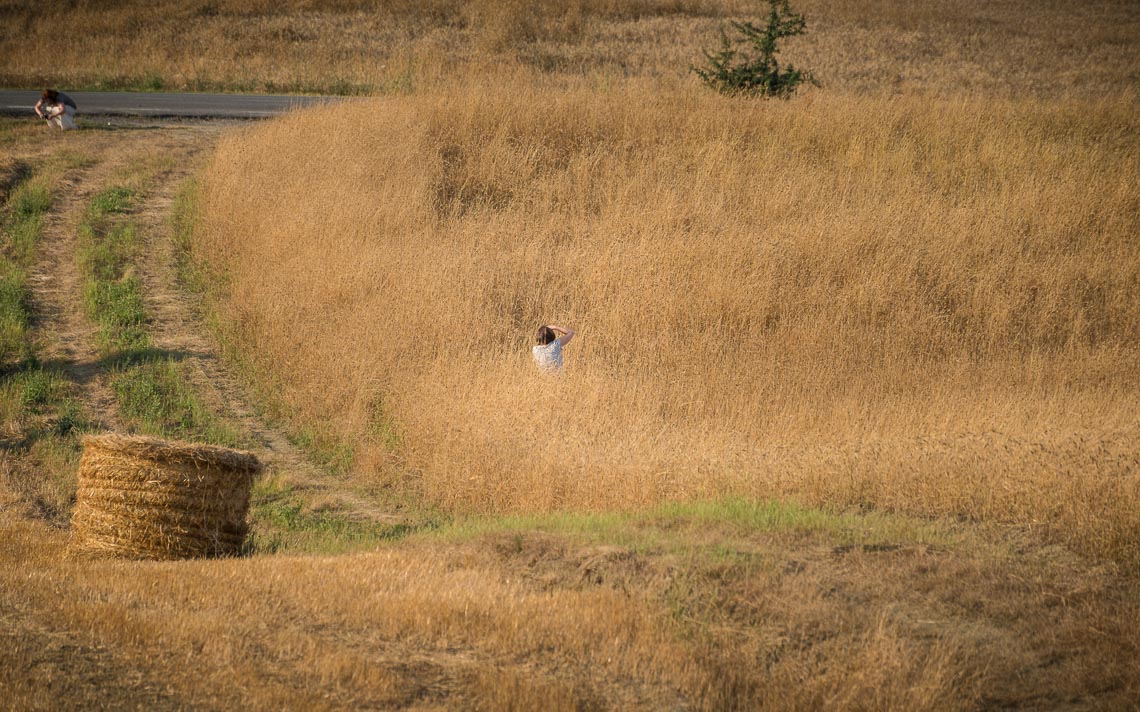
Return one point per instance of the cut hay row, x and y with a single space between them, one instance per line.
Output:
140 497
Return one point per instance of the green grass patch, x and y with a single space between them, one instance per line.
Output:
281 522
327 450
48 397
31 199
111 201
155 398
117 307
741 516
112 295
40 407
21 227
680 523
22 235
21 224
105 254
193 275
35 388
14 315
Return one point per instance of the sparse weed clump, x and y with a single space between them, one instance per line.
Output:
756 71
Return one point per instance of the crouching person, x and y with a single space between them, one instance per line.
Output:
58 108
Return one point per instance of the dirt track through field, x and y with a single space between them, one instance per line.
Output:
169 153
175 326
65 340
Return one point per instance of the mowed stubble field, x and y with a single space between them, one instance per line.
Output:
850 422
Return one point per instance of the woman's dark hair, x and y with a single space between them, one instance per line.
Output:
544 335
51 96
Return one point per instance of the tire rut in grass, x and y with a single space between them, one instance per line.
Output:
176 328
157 163
66 339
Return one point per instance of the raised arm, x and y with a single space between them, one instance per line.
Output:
565 334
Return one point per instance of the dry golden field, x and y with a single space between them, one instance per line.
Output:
914 304
1000 48
851 419
687 613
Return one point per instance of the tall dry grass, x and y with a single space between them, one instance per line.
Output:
915 304
999 48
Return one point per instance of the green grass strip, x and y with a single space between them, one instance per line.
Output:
283 523
37 404
21 227
155 398
112 295
733 517
151 388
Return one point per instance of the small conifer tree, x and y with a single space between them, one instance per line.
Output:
758 72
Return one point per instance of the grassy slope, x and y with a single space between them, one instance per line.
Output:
652 608
918 305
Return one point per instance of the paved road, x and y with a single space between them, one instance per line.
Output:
219 106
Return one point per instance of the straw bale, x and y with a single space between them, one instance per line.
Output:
145 498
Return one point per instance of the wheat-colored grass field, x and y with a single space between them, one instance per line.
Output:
1001 48
924 305
850 420
724 611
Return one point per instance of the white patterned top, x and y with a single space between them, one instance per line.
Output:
548 357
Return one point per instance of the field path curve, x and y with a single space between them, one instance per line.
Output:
176 327
66 336
167 154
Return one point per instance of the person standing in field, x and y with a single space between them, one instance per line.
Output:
547 351
58 108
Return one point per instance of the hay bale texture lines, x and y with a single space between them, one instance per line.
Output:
144 498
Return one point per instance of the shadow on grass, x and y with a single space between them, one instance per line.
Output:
85 373
283 523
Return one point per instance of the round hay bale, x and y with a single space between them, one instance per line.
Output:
144 498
